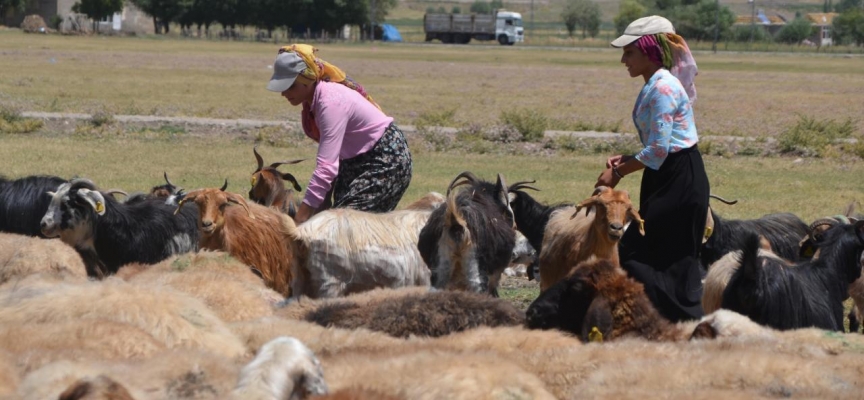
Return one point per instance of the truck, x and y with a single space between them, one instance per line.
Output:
503 26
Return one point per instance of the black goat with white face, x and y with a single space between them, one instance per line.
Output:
468 241
109 234
783 231
810 294
23 202
531 217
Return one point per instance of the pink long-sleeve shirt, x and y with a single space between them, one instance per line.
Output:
349 125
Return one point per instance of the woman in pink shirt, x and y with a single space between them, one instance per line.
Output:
363 158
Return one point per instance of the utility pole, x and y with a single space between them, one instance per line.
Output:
716 29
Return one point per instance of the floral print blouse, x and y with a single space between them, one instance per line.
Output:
664 118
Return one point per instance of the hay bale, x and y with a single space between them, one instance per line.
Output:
34 24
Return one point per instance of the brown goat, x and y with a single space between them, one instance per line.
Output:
268 188
260 237
572 237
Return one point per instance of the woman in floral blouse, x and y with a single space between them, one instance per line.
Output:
674 192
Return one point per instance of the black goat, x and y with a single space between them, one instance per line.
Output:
783 231
169 193
109 234
531 217
24 201
468 241
810 294
268 188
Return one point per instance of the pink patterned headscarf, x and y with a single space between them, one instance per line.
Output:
670 51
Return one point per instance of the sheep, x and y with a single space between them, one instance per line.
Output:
268 189
24 255
109 234
572 237
531 218
8 376
98 388
258 236
407 312
23 203
225 285
782 230
468 241
172 318
810 293
349 251
283 369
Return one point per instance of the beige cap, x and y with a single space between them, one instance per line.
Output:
641 27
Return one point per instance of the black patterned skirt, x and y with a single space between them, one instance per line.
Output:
375 180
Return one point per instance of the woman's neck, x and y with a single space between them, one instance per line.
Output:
648 74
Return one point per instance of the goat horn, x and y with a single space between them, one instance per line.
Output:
165 174
599 189
822 221
523 185
467 175
82 182
714 196
277 164
258 157
116 191
225 185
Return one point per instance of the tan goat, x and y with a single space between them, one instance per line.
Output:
572 237
261 237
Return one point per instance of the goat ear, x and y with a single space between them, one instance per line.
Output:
586 204
599 315
235 199
187 197
638 218
290 178
94 198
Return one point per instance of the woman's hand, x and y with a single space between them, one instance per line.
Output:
607 178
615 161
303 213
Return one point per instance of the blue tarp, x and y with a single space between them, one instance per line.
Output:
390 33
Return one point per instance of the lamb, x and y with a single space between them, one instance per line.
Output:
572 237
23 203
408 312
468 241
268 189
283 369
258 236
225 285
24 255
783 231
109 234
790 296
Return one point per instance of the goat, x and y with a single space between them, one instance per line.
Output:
408 312
283 369
258 236
469 240
268 188
348 251
782 230
531 218
23 203
108 234
790 296
572 237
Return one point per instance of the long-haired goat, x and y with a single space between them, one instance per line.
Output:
468 241
260 237
572 236
811 293
109 234
268 188
783 231
531 218
283 369
23 202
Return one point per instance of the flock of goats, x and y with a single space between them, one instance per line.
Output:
208 294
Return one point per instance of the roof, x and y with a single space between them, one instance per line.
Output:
748 19
821 18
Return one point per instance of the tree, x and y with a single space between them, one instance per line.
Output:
162 11
481 7
582 13
699 21
7 6
97 10
628 11
849 27
456 10
795 31
848 5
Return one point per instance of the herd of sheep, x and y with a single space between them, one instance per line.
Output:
208 294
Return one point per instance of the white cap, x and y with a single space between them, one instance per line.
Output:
285 70
641 27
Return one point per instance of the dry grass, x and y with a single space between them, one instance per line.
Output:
739 94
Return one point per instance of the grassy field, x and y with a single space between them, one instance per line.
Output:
745 94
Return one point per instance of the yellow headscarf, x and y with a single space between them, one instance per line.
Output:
318 70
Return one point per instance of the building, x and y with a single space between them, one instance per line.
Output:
130 20
821 27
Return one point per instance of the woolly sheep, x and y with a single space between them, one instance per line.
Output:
23 255
283 369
